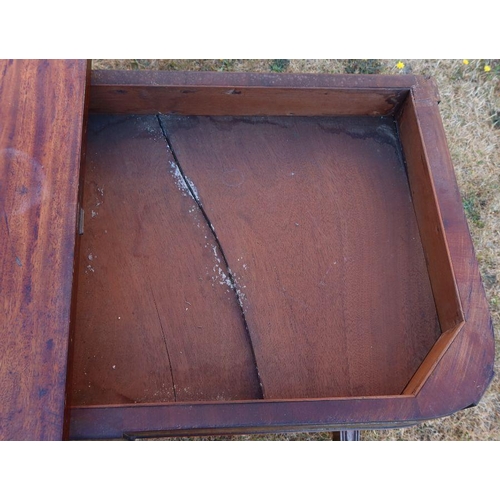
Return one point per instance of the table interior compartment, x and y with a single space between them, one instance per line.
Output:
244 257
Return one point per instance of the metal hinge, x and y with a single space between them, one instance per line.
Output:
81 219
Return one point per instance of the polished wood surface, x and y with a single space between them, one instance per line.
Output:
429 219
42 115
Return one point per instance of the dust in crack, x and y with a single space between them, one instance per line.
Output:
188 187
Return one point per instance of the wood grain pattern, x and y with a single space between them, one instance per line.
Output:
458 379
466 369
241 101
156 318
76 259
316 220
42 109
429 220
259 80
191 93
181 419
432 359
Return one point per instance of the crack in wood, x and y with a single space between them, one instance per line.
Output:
6 224
233 285
165 342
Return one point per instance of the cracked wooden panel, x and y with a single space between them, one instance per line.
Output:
155 319
227 277
316 220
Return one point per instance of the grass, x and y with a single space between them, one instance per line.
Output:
473 206
470 100
495 118
279 65
366 66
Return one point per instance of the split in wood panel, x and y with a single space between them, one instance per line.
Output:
156 318
262 257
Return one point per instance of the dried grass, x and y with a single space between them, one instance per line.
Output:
470 101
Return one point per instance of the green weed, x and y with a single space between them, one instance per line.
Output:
279 65
226 65
366 66
472 205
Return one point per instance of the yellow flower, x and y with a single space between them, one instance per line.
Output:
400 65
487 68
465 61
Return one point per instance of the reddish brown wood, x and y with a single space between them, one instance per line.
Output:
156 318
42 110
246 94
258 80
466 369
316 220
76 259
429 219
244 417
454 374
432 359
37 227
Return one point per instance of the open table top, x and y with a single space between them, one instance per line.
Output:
301 231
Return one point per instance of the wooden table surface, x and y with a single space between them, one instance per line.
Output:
42 105
348 298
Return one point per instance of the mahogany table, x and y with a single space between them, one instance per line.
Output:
216 253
